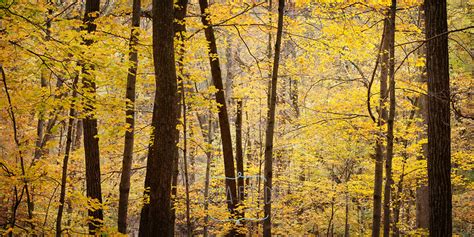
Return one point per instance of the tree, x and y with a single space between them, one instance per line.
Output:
129 119
390 121
156 216
268 170
439 129
229 168
379 146
91 141
180 32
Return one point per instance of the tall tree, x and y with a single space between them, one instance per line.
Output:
91 141
229 168
439 128
180 31
129 119
268 169
156 217
239 154
379 145
390 121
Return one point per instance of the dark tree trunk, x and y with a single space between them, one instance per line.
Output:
91 141
180 30
390 122
229 169
129 119
156 216
439 129
268 169
379 147
62 195
239 154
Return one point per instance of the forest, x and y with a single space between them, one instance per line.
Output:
236 118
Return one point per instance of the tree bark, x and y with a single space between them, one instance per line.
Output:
439 129
239 154
390 122
156 216
268 169
91 141
229 169
180 30
129 120
379 146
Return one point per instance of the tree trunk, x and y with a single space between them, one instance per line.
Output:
185 162
379 146
91 141
129 119
229 168
180 29
62 195
439 129
268 170
156 216
210 135
239 154
390 122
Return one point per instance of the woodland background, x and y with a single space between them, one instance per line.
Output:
324 142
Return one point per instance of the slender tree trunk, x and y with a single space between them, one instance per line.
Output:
62 195
208 171
129 120
91 141
180 30
268 170
390 122
439 129
156 217
379 146
185 162
229 168
239 154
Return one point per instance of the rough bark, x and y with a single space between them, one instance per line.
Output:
156 216
129 120
91 141
268 169
229 169
439 129
390 122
